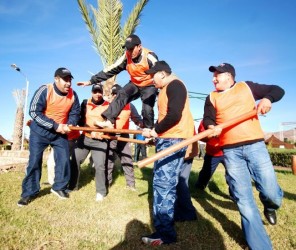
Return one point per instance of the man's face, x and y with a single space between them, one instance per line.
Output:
63 83
222 81
135 52
157 79
97 95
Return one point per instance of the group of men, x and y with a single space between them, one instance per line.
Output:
55 106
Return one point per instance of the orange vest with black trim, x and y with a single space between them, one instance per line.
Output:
57 106
184 128
122 121
93 113
229 104
137 70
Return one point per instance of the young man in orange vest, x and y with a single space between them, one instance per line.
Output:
245 153
53 107
91 110
120 148
169 176
136 60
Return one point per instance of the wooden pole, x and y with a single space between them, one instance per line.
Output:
294 164
195 138
110 137
106 130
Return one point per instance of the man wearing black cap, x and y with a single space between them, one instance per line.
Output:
136 60
245 153
91 110
171 196
53 107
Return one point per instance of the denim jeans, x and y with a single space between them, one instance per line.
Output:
243 164
38 143
166 178
208 169
184 209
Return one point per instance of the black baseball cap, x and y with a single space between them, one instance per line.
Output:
223 68
115 88
97 87
63 72
159 66
131 41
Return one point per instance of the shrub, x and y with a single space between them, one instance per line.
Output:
281 157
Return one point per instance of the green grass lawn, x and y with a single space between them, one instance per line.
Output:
124 216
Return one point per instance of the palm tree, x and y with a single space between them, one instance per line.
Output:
105 30
19 96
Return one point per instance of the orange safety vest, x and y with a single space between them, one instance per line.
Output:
228 104
137 70
57 106
184 128
93 113
122 121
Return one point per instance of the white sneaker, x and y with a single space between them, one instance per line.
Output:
99 197
104 124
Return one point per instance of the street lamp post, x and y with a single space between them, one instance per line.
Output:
14 66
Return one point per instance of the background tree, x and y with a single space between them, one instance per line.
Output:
19 96
104 26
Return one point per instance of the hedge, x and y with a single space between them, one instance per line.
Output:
282 157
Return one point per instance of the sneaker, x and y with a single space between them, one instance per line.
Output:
24 201
104 124
60 193
99 197
152 240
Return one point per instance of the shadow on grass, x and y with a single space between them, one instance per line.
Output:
199 234
206 200
289 196
87 174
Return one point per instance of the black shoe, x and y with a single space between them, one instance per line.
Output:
270 216
24 201
60 193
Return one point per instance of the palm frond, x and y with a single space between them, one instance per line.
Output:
133 19
108 18
90 24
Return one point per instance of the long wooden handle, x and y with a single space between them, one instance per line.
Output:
118 138
195 138
106 130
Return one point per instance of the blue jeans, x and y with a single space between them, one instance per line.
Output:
243 164
184 209
38 143
208 168
167 175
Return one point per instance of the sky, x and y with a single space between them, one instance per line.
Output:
256 36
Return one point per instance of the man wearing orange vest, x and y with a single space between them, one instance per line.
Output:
120 148
53 107
174 124
245 153
91 110
136 60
